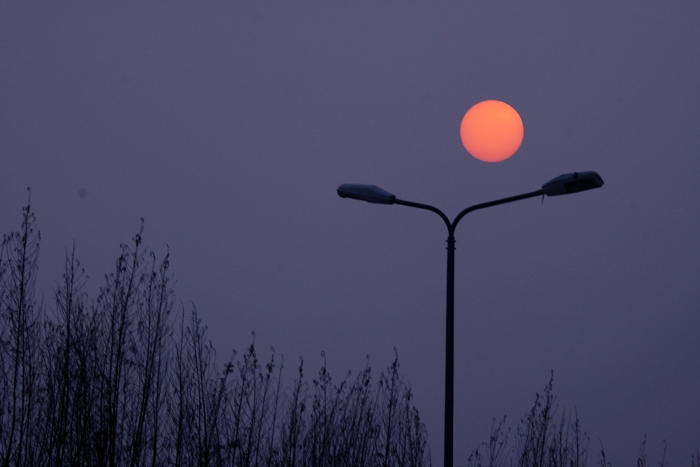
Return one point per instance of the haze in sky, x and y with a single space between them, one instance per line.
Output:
229 126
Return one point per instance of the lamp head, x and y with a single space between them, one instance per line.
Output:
369 193
572 183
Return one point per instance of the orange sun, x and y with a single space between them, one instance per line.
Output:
491 131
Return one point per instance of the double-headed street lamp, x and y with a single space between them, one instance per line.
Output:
561 185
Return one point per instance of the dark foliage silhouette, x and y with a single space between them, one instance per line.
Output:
545 439
20 355
130 379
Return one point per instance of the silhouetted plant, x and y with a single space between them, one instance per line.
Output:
132 380
69 366
19 338
541 441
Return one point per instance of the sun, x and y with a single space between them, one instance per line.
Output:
491 131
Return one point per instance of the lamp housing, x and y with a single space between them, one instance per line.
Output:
572 183
369 193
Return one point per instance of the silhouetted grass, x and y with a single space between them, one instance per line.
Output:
546 439
132 380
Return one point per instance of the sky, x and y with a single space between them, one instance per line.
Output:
228 126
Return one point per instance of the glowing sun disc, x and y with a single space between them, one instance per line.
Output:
491 131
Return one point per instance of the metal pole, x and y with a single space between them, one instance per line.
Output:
450 352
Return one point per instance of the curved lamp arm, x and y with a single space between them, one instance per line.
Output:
494 203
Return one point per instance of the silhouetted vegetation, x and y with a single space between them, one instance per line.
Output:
131 379
540 440
543 439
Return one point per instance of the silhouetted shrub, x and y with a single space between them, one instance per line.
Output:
132 380
542 441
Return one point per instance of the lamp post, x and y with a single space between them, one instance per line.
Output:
561 185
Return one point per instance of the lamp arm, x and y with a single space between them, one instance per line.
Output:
494 203
428 207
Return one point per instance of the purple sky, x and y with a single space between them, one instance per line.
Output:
228 127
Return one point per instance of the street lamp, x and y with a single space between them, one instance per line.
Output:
561 185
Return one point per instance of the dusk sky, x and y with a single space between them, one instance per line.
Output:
228 126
